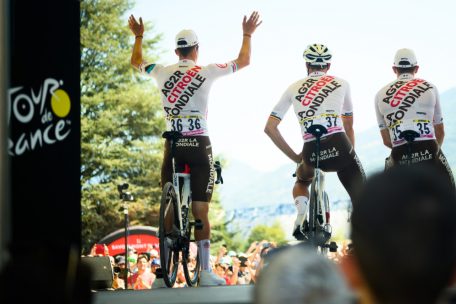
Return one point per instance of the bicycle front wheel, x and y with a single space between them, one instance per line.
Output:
313 206
168 234
191 264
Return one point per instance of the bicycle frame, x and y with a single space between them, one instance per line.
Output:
176 237
319 214
185 203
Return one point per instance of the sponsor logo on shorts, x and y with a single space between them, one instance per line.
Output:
187 142
417 157
325 154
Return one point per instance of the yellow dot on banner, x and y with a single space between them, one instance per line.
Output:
60 103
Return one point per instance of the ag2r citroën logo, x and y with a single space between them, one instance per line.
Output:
41 114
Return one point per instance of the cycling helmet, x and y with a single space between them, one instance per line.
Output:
317 54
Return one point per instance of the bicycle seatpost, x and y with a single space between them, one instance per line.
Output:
409 136
318 131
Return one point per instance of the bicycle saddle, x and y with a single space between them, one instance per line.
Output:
409 135
172 135
317 130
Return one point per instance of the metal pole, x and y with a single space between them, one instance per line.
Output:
5 208
127 264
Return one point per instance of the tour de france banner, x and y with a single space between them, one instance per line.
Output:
43 117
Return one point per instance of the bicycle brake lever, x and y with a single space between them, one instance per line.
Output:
218 169
219 180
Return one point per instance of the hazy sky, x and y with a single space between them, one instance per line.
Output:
363 36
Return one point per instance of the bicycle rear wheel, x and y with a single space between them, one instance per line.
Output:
168 233
313 210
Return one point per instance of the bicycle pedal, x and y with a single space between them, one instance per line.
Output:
299 235
333 247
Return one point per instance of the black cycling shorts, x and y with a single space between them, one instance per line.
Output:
196 152
336 155
422 152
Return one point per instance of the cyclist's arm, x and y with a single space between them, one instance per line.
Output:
439 133
273 132
347 121
438 120
347 115
138 30
386 138
381 122
248 27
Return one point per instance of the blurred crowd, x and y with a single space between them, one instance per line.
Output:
236 268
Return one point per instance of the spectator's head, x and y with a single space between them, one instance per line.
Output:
404 234
101 250
154 265
298 274
153 253
220 269
120 261
142 262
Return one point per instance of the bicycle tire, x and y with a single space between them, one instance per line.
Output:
313 210
168 235
191 275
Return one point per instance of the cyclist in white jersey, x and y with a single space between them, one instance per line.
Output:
319 99
410 103
184 89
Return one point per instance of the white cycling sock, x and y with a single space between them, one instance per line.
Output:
204 247
301 203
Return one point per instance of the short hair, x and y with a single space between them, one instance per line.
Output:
317 67
298 274
408 70
143 256
404 234
187 50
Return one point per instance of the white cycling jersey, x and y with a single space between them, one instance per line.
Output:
408 103
184 89
317 99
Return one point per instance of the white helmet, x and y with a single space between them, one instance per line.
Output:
317 54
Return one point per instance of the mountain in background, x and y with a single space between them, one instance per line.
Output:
253 197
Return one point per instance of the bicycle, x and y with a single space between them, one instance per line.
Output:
316 228
175 225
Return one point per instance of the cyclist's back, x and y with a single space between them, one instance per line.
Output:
411 103
184 89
